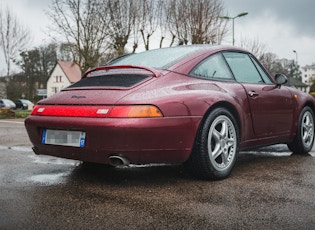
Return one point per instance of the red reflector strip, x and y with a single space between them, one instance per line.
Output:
71 111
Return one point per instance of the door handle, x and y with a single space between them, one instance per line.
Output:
252 94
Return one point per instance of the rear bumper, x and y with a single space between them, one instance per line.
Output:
141 140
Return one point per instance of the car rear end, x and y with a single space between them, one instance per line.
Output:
91 121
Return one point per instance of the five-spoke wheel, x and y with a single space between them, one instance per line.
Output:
216 148
222 142
304 138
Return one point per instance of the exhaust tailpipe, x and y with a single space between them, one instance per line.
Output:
35 150
118 161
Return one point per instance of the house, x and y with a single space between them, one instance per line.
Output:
308 74
296 83
63 74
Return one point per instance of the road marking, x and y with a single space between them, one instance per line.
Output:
14 122
17 148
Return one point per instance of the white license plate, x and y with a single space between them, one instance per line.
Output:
63 137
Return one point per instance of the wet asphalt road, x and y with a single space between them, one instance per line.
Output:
268 189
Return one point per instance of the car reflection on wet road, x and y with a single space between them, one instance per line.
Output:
269 189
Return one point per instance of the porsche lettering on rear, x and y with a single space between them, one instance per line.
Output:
78 97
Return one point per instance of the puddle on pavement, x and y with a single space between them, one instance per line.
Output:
22 148
53 160
49 179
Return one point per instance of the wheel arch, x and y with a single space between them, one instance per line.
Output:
309 104
196 163
223 104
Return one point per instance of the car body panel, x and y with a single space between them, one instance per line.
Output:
269 116
142 140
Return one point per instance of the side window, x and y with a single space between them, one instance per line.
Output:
262 72
243 68
213 67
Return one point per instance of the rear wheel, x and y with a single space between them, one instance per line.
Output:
304 138
216 148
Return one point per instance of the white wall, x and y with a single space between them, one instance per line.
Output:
55 85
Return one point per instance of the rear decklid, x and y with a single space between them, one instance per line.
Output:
103 86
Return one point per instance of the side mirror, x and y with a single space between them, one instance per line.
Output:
280 79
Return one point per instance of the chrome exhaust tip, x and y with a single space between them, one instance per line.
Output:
118 161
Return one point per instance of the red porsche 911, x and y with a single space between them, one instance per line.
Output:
199 105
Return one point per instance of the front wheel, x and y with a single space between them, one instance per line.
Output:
216 148
304 137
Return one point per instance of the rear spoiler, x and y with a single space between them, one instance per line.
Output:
155 73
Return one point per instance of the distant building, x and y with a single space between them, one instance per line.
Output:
296 83
62 75
308 74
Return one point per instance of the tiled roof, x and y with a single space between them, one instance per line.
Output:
309 66
72 70
295 82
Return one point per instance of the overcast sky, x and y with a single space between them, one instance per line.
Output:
281 25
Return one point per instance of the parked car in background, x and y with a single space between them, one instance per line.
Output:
7 103
197 104
24 104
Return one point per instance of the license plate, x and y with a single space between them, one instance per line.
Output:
63 137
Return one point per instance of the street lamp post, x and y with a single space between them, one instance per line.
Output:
296 69
237 16
296 56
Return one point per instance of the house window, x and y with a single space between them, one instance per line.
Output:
58 78
54 89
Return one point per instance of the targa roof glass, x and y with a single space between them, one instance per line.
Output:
158 58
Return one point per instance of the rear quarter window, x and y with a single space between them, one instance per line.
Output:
214 67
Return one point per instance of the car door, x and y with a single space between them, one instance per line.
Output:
271 106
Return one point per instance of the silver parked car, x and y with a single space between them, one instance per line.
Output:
7 103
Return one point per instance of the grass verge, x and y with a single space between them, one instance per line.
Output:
8 113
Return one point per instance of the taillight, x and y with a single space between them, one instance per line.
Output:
134 111
71 111
130 111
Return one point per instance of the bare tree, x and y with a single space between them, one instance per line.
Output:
268 60
135 33
176 15
196 21
150 13
14 37
121 16
78 22
67 52
163 22
258 48
275 65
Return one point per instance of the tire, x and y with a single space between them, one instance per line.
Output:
304 137
216 147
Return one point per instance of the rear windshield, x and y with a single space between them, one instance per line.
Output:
117 80
158 58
